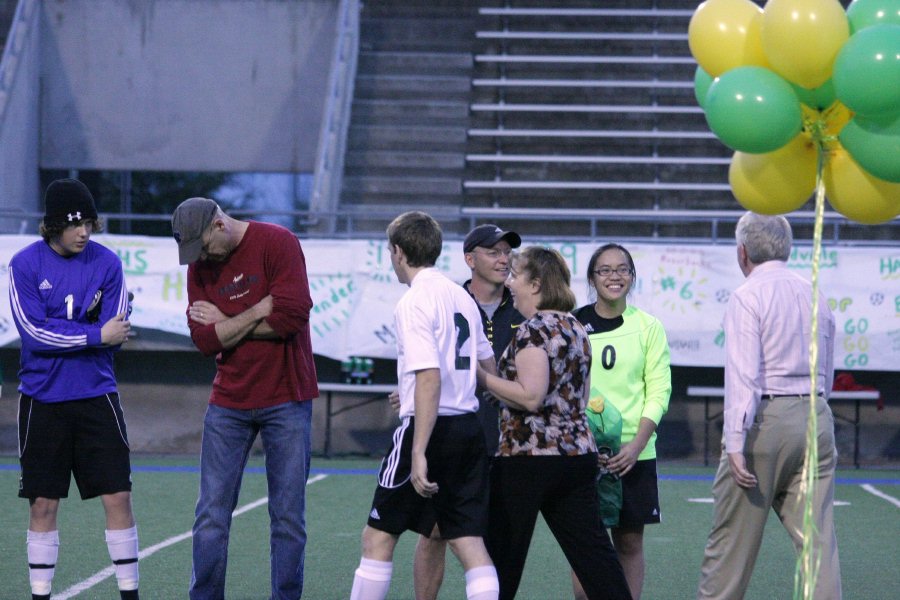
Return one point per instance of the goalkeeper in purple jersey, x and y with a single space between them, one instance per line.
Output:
70 305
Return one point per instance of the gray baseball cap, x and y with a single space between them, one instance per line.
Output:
189 221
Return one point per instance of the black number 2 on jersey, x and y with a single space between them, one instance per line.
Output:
462 335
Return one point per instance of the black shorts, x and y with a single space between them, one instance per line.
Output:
457 462
640 495
85 438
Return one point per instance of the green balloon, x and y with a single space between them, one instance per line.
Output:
865 13
702 81
867 71
819 98
875 146
753 110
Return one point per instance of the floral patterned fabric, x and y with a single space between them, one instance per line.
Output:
560 426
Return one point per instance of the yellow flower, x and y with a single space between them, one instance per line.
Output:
596 403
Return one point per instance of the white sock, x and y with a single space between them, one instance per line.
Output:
123 550
482 583
43 550
372 580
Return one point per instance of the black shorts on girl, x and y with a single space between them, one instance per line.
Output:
640 495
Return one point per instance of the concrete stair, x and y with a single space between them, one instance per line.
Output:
621 85
407 139
7 12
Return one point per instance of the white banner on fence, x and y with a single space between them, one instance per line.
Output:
685 286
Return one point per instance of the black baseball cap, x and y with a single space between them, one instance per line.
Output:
485 236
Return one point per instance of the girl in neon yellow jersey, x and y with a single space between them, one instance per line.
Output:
630 369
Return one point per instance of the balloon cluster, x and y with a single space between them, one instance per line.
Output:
800 89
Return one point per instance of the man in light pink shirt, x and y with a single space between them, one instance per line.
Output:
768 326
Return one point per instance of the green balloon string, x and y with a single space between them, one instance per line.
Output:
809 559
818 130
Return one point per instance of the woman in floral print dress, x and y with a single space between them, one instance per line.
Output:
547 459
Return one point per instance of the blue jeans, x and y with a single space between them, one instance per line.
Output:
228 435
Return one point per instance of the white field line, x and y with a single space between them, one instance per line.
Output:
876 492
711 501
108 571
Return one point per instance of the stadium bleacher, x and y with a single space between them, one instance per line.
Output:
533 111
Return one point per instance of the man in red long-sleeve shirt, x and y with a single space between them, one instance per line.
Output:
249 304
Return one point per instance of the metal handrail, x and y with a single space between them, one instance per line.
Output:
584 108
468 217
714 218
583 12
584 59
590 133
9 60
599 159
582 83
329 170
579 36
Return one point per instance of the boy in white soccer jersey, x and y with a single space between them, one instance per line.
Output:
437 470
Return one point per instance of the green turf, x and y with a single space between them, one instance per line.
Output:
868 534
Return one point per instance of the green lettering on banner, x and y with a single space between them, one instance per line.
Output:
860 326
897 305
443 261
378 262
336 298
682 290
858 346
570 253
720 339
889 265
856 360
801 258
320 328
133 263
173 284
839 304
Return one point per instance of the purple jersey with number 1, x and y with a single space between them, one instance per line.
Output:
59 305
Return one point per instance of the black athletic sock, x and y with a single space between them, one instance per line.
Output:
40 597
128 594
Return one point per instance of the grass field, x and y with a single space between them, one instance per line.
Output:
339 493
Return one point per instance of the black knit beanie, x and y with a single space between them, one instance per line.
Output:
68 201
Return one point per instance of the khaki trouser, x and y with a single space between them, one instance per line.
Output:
774 450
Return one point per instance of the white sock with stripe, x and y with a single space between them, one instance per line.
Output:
43 550
123 550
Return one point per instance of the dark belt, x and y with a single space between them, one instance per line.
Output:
776 396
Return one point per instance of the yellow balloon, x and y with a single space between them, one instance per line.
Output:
776 182
724 34
856 194
801 38
831 120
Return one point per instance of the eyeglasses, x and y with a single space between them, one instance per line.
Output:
495 253
621 271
